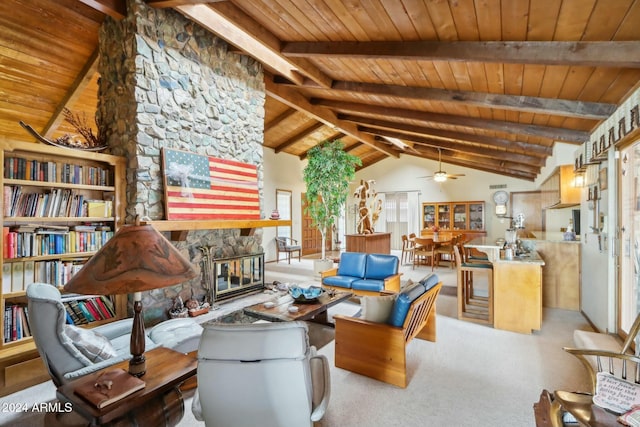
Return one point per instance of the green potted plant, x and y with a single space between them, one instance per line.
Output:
327 176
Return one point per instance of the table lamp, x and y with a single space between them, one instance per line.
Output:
137 258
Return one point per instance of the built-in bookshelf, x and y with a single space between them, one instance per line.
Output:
59 206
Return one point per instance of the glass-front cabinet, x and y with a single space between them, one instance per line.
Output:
428 215
459 216
444 216
476 216
453 216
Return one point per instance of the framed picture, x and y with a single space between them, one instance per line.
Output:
602 179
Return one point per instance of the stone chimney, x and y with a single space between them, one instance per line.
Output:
167 82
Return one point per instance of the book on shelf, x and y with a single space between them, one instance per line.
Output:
17 277
82 320
16 323
109 387
6 278
29 273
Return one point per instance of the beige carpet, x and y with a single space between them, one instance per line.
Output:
472 376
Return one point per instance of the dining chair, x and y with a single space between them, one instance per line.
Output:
408 247
423 252
446 249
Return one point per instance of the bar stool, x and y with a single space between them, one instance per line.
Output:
472 306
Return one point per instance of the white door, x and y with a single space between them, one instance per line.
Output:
629 236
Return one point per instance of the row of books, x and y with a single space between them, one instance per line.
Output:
52 203
16 276
16 322
67 173
51 240
87 310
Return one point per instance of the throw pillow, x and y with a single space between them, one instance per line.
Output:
377 309
615 394
95 346
406 284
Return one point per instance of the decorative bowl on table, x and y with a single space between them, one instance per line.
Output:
305 295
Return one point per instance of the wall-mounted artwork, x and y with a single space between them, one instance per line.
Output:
602 179
197 186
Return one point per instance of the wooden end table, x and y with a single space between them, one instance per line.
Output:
316 312
159 403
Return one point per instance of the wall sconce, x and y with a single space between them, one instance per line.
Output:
578 179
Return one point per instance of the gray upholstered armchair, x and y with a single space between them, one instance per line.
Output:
260 374
69 352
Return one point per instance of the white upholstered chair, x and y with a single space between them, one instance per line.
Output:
260 374
69 352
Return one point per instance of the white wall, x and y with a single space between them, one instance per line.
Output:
281 172
404 174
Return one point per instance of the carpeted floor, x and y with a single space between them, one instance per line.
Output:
473 375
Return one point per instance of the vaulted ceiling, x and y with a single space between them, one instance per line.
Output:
489 84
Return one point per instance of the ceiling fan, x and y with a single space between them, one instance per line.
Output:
440 175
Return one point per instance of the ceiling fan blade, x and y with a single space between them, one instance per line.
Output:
456 174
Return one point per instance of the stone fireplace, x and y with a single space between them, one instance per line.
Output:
166 82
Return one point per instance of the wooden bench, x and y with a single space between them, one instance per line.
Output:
378 350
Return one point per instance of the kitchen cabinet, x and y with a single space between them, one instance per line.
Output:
558 191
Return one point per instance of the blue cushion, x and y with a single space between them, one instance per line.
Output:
403 301
477 265
352 264
368 285
381 266
341 281
430 281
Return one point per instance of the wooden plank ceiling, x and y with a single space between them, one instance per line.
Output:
490 84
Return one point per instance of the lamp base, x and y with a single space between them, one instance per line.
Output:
138 365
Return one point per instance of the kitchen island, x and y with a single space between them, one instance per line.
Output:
517 287
561 273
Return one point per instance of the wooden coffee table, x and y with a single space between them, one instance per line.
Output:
316 312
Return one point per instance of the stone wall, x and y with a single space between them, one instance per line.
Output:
166 82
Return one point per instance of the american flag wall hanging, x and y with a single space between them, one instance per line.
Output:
205 187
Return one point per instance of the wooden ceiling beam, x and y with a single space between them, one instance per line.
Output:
300 135
333 137
237 28
556 134
117 9
531 104
161 4
292 98
461 147
611 54
81 81
512 146
275 122
560 107
496 167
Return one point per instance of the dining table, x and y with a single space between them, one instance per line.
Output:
434 242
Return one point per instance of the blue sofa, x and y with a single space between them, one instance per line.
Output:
377 348
364 274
